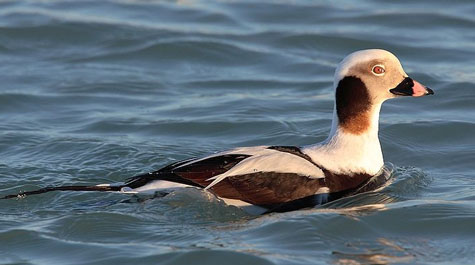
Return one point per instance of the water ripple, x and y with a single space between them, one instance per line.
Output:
95 92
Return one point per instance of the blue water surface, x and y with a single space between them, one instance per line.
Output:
98 91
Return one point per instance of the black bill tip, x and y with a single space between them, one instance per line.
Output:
429 91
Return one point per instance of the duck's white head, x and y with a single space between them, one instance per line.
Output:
363 81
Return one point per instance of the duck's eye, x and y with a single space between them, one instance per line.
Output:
378 70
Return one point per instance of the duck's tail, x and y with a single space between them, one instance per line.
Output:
101 187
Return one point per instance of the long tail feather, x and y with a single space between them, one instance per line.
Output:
63 188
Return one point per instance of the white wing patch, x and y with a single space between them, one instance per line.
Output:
153 186
263 159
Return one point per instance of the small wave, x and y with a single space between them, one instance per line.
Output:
409 183
407 19
144 19
190 50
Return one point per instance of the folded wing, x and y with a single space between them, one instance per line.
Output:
258 175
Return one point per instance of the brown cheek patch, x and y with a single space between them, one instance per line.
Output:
353 105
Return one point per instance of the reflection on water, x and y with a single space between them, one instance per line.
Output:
98 91
384 252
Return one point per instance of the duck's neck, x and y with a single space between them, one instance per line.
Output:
353 144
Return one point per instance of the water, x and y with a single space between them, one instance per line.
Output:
98 91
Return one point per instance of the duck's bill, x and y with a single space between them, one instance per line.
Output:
410 87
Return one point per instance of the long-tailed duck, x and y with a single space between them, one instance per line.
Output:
281 178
